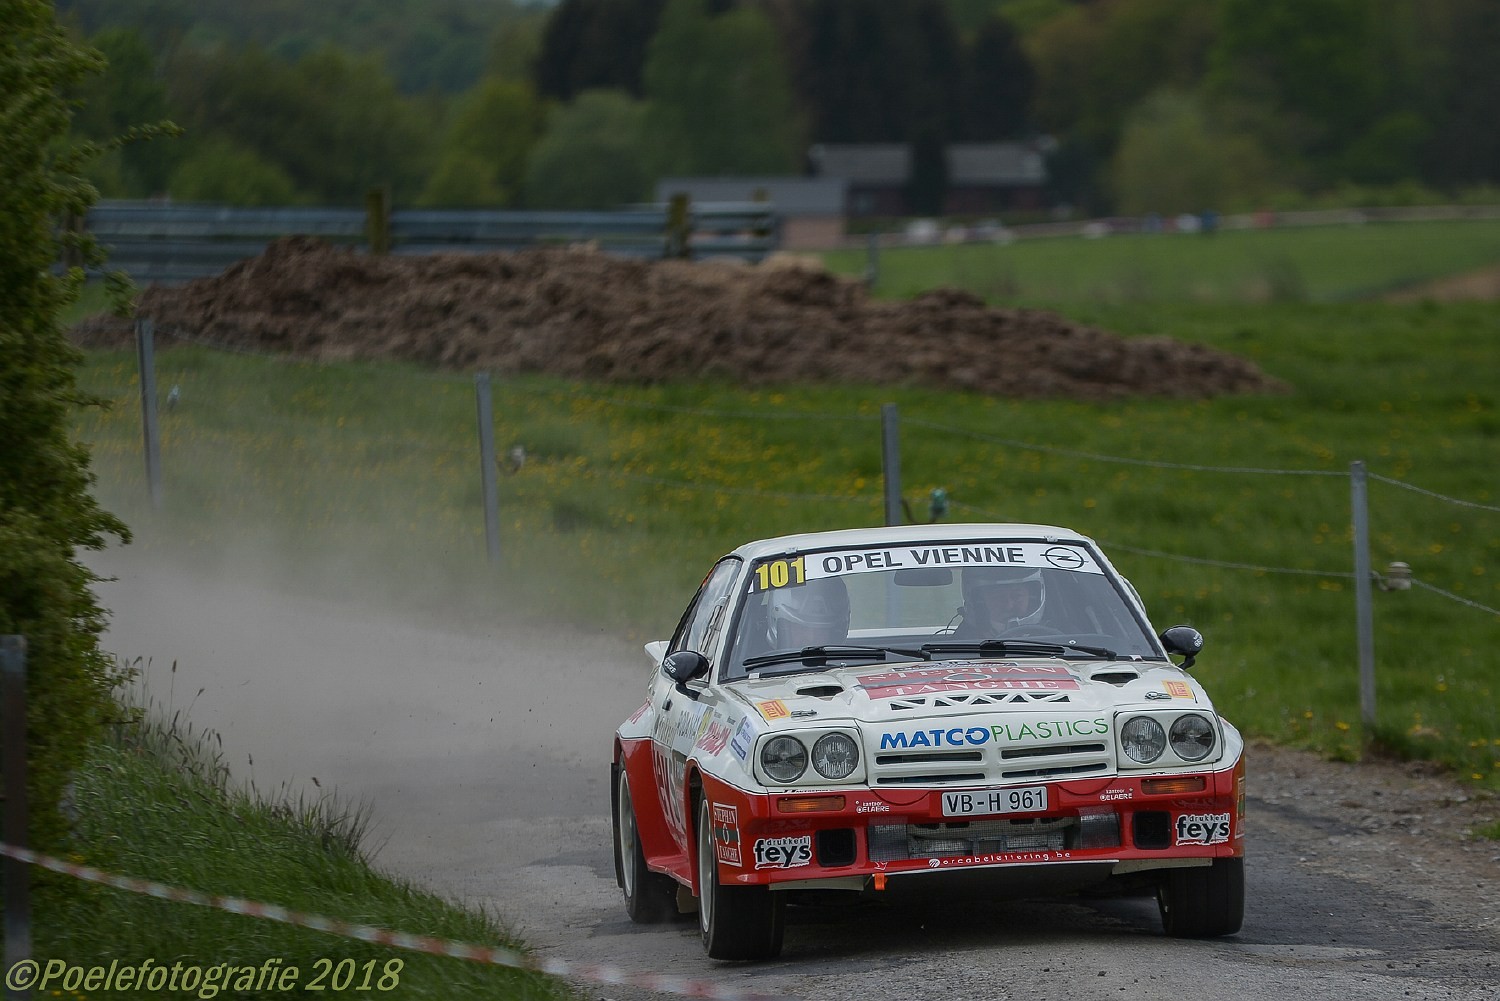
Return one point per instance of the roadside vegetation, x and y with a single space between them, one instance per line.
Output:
365 477
155 801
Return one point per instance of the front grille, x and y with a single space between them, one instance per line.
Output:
897 842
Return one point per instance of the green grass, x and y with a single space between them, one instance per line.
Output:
155 802
1324 264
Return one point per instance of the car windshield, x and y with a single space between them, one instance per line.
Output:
933 601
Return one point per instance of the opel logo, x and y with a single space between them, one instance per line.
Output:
1063 559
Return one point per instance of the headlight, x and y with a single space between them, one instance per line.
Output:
1192 737
835 756
783 758
1143 739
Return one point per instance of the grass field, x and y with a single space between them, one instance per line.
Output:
1323 264
367 476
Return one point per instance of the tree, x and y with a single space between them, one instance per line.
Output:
719 99
593 156
1174 158
999 85
335 125
1465 147
46 510
596 44
129 93
874 72
483 159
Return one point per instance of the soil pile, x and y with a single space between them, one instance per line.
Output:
580 313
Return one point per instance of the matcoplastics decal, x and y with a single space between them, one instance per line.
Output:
1042 731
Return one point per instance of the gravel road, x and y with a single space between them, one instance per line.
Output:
483 750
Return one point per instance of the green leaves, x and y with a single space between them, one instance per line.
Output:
46 511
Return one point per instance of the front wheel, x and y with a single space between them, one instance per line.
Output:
650 897
1203 902
737 922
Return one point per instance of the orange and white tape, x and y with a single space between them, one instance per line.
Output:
492 955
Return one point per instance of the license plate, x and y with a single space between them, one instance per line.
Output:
988 802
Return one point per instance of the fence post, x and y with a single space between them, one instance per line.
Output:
145 341
679 224
487 465
13 784
890 461
1363 611
872 260
378 220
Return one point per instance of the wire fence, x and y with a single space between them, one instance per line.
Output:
441 445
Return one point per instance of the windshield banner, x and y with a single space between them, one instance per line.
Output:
1045 555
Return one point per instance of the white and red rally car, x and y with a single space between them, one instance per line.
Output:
846 710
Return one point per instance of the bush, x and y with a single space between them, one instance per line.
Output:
46 510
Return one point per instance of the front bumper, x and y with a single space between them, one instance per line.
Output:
854 838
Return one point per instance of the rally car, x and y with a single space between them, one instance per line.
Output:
875 708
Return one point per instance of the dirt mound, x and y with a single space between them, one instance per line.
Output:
581 313
1482 285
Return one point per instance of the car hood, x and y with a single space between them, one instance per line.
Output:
884 693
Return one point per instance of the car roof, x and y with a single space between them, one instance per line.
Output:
905 535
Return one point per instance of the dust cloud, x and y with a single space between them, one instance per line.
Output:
437 722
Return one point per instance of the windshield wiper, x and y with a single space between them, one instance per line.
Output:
1019 646
821 655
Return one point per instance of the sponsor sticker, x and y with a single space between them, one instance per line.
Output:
783 853
714 736
740 743
969 677
726 833
1039 731
774 709
851 561
1179 689
1202 828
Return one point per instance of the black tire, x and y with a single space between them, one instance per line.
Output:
650 897
737 922
1203 902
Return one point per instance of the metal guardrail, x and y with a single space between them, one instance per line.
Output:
170 243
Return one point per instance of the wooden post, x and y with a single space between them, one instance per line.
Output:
13 787
378 220
678 227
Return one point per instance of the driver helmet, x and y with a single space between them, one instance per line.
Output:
811 614
1001 598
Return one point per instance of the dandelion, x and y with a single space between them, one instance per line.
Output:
1341 725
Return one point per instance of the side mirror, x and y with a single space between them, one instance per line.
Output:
1183 640
683 666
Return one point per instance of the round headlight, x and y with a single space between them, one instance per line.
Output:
1143 739
783 758
1192 737
835 756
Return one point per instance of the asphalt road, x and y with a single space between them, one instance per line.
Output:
482 750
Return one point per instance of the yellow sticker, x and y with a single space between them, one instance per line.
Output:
780 573
775 709
1178 689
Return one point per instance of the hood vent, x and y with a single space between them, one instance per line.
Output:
821 691
1116 676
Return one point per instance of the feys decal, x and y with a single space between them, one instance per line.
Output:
783 853
1202 828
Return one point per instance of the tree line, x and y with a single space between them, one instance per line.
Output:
1148 105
